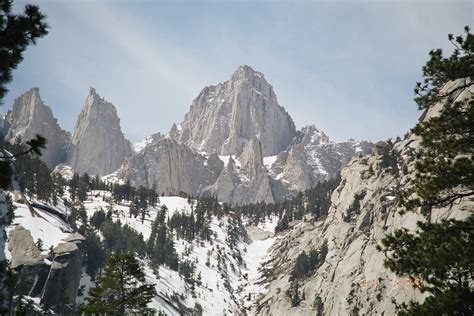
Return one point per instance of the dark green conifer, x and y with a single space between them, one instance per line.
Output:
121 290
439 257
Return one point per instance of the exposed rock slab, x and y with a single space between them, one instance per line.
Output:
54 279
22 248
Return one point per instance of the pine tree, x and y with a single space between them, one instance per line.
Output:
17 32
445 168
95 254
439 257
121 290
294 293
301 267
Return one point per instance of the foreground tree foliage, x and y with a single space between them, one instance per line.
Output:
439 257
17 32
121 290
445 165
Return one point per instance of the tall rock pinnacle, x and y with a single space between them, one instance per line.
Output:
98 144
30 116
223 118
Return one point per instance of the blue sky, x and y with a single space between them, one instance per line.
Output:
348 67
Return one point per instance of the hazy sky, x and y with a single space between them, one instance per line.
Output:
348 67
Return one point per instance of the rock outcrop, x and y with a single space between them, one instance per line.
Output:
312 158
61 286
98 145
352 277
171 167
22 248
223 118
30 116
54 279
245 179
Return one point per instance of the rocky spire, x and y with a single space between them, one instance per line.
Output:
98 144
30 116
223 118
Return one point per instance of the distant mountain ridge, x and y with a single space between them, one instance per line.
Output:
236 142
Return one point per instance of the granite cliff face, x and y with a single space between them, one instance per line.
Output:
30 116
98 145
171 167
223 118
352 278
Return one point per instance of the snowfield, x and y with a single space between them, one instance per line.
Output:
42 225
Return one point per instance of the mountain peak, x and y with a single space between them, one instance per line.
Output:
98 144
33 91
223 118
95 99
246 72
30 116
311 135
92 91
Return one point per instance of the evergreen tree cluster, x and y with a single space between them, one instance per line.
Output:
294 293
187 269
120 238
140 197
315 201
117 239
439 259
354 208
34 176
306 264
160 245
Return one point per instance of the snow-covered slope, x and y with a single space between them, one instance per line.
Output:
43 225
225 281
228 269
